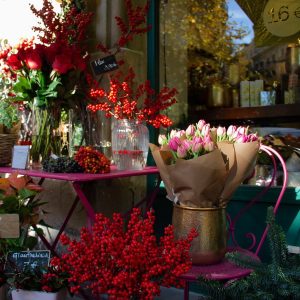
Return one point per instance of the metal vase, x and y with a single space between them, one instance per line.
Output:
210 245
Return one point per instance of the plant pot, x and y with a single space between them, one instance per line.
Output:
130 144
210 245
31 295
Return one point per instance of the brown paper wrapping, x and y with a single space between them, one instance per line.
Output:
243 164
197 182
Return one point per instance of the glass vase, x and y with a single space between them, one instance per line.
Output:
45 138
130 144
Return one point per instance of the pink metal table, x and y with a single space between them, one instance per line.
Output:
77 180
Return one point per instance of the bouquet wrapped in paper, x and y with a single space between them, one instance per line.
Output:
203 166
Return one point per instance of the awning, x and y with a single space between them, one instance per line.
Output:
282 13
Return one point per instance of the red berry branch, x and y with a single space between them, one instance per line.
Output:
122 101
125 264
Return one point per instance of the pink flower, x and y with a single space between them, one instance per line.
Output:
221 132
174 143
205 130
196 147
190 131
173 133
208 144
242 130
242 138
162 140
252 137
200 124
182 151
231 129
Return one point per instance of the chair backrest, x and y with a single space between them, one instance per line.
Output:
256 244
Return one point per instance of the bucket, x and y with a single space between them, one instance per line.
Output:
210 245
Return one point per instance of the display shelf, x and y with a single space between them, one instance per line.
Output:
261 114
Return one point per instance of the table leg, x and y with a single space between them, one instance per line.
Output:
62 228
85 202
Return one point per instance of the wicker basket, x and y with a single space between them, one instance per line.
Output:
7 141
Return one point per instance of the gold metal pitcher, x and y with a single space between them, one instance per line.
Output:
210 245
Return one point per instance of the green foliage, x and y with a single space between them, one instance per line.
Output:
280 279
8 113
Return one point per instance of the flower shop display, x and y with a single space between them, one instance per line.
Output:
124 260
131 107
201 168
49 74
39 283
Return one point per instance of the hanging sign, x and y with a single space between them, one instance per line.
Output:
282 18
104 64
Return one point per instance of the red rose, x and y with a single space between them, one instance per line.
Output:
14 62
33 60
62 63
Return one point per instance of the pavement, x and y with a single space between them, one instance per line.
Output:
166 294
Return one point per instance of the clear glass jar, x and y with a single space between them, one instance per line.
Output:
130 144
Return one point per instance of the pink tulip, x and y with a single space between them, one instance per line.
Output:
174 143
173 133
209 146
182 151
200 124
197 147
190 131
162 140
252 137
231 129
242 130
205 130
241 139
221 133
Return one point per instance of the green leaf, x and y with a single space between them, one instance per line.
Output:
25 193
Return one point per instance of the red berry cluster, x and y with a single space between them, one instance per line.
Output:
71 25
92 161
125 263
122 101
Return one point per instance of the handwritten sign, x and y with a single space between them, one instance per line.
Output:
104 64
27 259
282 18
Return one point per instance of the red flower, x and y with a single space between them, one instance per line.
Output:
33 60
62 63
14 62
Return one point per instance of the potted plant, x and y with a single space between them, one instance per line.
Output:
39 283
125 261
19 206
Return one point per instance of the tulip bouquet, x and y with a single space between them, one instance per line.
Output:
202 166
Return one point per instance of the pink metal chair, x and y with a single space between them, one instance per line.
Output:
225 270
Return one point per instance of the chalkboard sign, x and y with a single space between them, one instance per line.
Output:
26 259
104 64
